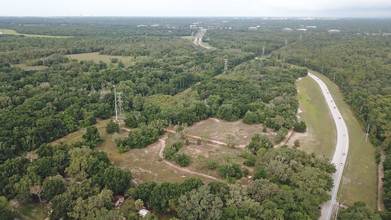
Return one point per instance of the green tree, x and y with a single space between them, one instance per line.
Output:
359 210
116 179
53 186
300 126
92 137
5 209
112 127
200 204
257 142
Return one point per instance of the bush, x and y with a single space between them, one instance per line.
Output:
296 143
260 173
281 134
212 164
251 118
300 127
112 127
182 159
230 171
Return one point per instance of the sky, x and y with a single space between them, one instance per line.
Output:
198 8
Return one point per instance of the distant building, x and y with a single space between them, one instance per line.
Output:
143 212
333 31
1 32
253 28
193 26
384 34
302 29
311 26
287 29
142 25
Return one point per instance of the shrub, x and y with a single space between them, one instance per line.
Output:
300 127
230 171
112 127
182 159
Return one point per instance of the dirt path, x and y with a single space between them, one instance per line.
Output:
198 137
163 146
380 203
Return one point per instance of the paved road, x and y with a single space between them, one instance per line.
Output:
199 36
341 149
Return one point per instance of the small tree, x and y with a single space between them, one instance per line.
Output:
296 143
139 204
112 127
92 137
300 127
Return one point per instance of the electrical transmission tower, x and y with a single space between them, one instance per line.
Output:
118 106
225 65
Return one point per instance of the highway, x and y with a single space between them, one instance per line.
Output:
341 149
199 36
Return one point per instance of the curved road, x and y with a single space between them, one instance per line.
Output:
341 149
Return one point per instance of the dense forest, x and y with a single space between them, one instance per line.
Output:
171 81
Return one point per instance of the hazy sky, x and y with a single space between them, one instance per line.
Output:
259 8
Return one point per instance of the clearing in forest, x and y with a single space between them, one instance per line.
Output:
96 57
13 32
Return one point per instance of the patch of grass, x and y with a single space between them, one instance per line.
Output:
13 32
236 132
321 136
359 181
27 211
27 68
96 57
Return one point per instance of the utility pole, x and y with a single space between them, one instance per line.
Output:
367 134
115 105
334 77
118 105
225 65
263 51
305 61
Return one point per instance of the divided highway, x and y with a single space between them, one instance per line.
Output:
341 149
198 39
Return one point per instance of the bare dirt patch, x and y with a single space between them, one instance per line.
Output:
236 132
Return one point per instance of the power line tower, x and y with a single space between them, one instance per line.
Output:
225 66
118 106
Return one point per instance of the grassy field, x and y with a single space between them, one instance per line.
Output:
27 68
13 32
321 136
96 57
31 211
237 132
144 164
359 181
